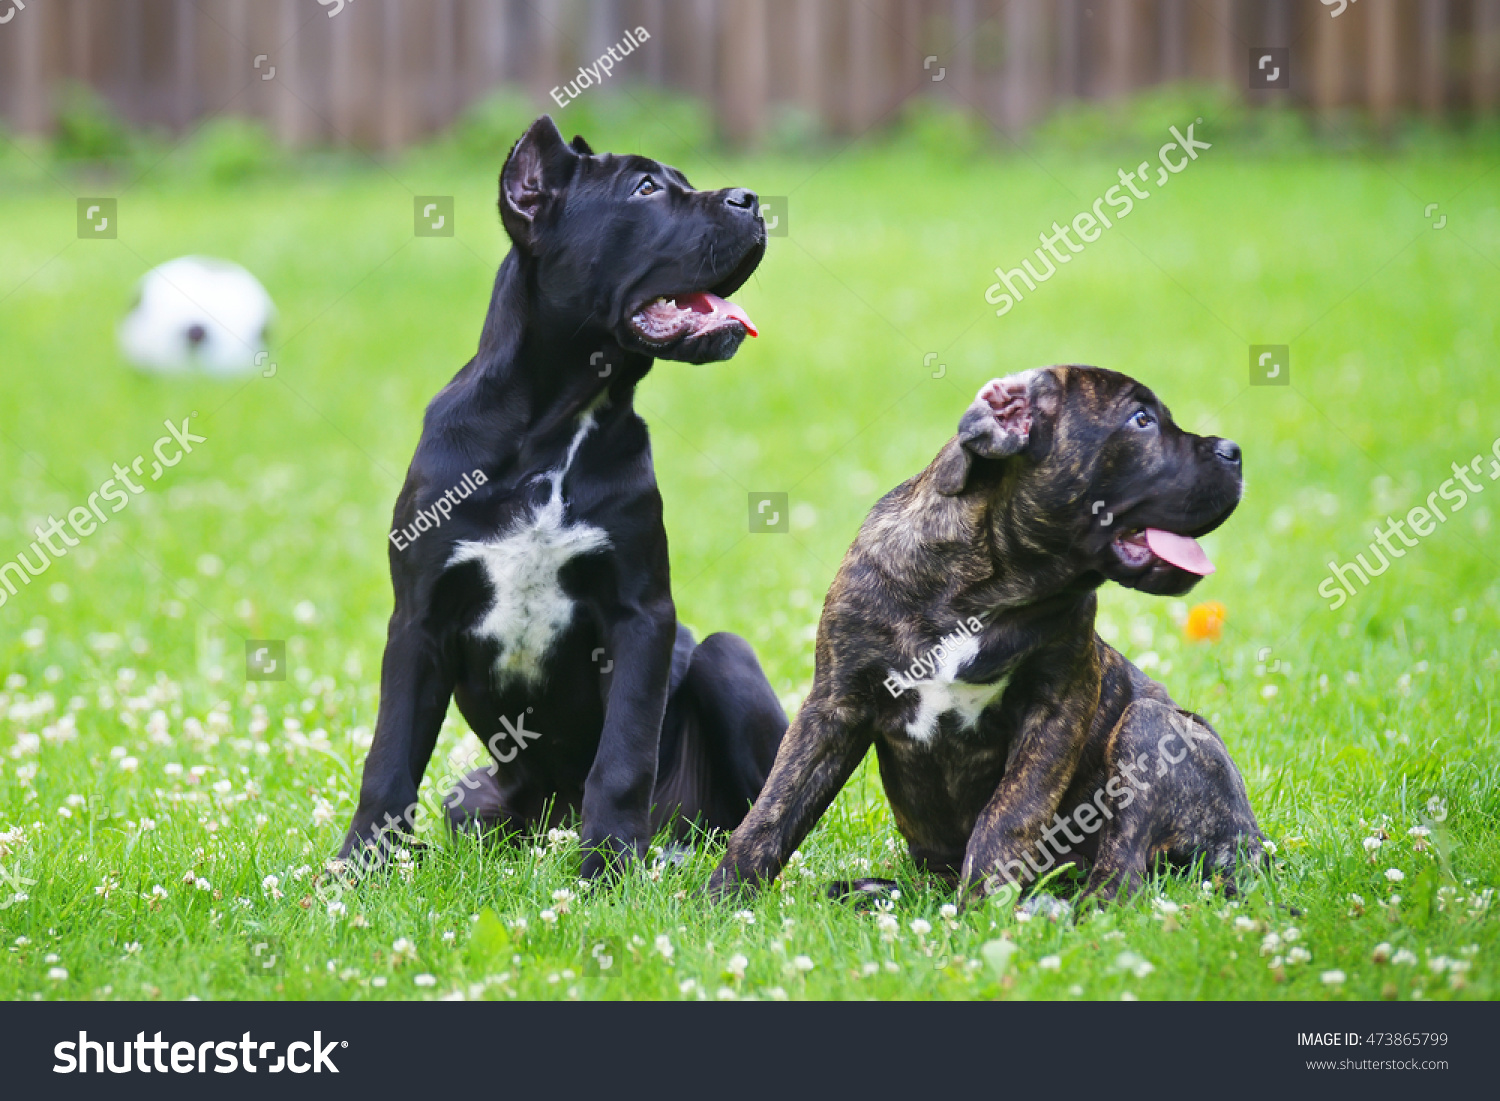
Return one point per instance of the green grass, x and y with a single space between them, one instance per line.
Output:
130 649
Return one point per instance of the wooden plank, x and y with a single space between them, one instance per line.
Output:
1069 67
811 60
1432 62
184 63
393 90
863 85
743 86
1122 48
1328 65
1027 75
1486 55
34 68
1382 88
1171 31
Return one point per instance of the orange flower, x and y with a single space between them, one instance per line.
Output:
1205 622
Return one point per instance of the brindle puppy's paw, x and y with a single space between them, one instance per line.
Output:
863 892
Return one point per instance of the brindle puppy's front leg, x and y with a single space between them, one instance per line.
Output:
1040 766
821 750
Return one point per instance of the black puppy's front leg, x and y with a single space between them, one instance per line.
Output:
617 792
414 694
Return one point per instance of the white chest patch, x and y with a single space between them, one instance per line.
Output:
530 608
943 692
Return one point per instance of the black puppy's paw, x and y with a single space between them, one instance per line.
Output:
605 857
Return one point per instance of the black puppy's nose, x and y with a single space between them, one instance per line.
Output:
1228 450
742 197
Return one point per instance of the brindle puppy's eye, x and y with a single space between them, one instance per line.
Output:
647 186
1142 419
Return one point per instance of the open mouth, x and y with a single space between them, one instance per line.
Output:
673 317
1143 548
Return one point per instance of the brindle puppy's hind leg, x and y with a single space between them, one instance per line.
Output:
1181 800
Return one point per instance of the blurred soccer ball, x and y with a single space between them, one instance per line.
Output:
198 313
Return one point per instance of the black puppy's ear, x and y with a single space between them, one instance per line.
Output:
996 425
580 146
534 174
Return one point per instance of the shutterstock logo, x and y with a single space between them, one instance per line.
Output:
185 1057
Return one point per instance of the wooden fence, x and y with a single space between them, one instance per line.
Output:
382 73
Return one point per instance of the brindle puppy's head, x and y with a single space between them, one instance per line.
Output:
1086 466
625 244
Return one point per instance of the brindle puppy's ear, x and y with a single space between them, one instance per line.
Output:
996 426
534 176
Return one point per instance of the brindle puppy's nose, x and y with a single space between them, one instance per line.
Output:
742 197
1228 451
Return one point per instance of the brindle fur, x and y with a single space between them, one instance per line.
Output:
1008 535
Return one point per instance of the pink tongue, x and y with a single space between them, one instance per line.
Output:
712 303
1180 550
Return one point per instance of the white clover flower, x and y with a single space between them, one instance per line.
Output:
803 964
58 974
947 911
129 764
1298 955
1270 943
745 917
1371 844
548 917
425 979
1049 963
1381 952
888 925
1333 978
1244 924
203 884
736 965
1395 875
1404 956
921 927
403 951
664 946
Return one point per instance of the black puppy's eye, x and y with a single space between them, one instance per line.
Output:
647 186
1142 419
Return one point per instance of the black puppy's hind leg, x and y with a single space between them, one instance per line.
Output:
821 750
719 740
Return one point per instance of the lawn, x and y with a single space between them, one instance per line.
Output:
172 817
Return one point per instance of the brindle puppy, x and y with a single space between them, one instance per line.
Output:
958 639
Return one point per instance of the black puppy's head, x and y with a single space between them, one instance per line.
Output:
1087 465
626 244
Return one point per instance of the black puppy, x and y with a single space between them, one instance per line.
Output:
528 556
958 639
